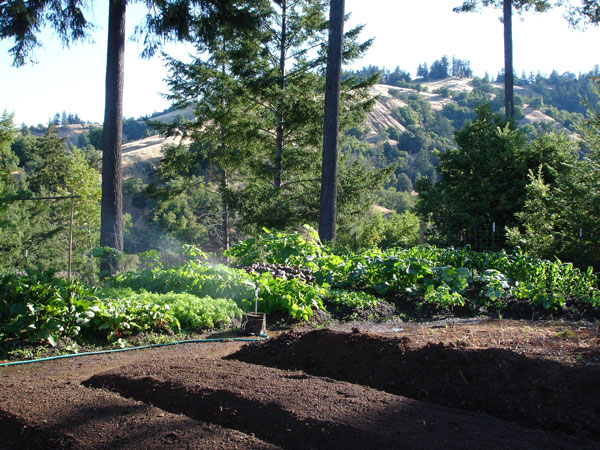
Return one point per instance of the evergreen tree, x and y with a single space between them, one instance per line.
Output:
8 160
258 102
287 86
111 222
461 68
440 69
397 77
11 214
561 214
223 129
35 232
47 170
483 181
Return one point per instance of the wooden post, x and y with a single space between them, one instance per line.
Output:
71 234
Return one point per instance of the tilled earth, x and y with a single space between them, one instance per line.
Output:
486 385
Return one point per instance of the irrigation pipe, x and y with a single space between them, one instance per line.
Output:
141 347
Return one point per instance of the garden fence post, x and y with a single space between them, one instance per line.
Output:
580 256
71 234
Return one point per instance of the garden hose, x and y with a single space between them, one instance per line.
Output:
141 347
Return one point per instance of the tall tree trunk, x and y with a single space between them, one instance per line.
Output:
509 97
111 219
281 105
223 181
328 203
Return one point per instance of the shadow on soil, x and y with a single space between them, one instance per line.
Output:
16 434
267 421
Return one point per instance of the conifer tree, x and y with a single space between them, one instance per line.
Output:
223 129
286 82
258 102
8 160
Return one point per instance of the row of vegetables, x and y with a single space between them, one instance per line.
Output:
287 272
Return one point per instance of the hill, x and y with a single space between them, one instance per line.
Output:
408 124
70 132
438 94
139 156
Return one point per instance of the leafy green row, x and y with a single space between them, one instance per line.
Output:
292 297
189 311
38 306
193 277
441 275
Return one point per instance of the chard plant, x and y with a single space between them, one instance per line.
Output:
38 306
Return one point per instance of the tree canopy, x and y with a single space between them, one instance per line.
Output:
588 12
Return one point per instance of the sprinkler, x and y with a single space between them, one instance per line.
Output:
254 324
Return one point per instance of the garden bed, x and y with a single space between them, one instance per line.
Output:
472 384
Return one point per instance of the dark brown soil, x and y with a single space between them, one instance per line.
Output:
490 385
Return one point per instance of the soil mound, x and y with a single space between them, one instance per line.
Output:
296 411
531 391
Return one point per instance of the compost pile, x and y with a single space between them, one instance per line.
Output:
281 271
490 385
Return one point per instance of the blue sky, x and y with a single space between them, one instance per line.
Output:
406 33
